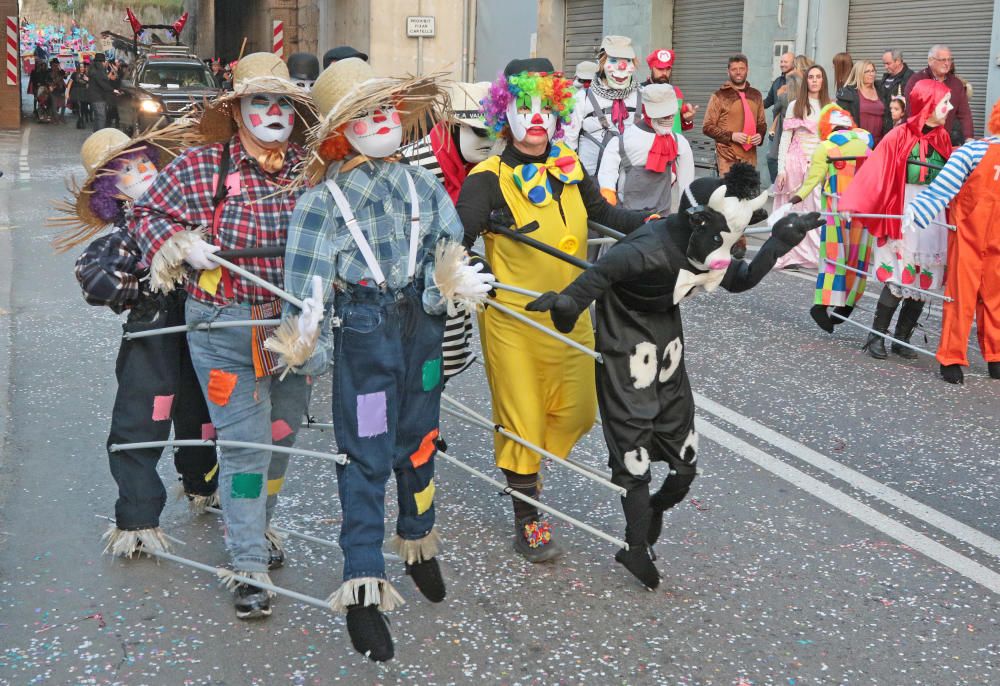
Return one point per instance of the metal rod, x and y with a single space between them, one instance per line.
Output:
544 329
604 230
886 336
204 326
950 227
263 283
894 283
516 289
754 232
224 443
538 245
601 241
544 508
317 425
274 251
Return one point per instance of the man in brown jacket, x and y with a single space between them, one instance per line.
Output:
735 118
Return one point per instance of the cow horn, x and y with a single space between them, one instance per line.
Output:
759 201
717 200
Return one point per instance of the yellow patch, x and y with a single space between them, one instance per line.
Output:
274 485
208 280
569 244
425 498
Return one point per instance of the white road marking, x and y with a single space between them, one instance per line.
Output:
965 566
939 520
24 173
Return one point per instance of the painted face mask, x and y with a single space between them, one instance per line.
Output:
377 134
840 120
269 118
943 108
535 120
619 72
136 177
473 143
306 84
663 125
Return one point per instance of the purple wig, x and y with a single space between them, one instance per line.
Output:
105 199
554 89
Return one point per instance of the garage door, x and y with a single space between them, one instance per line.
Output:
914 26
700 67
582 33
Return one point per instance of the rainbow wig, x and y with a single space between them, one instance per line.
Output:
554 89
105 198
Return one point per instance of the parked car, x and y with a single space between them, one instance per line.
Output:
164 82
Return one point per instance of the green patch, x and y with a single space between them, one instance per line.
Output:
247 485
432 374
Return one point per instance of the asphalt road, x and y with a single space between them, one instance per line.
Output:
844 529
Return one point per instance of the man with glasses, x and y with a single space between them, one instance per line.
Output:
939 67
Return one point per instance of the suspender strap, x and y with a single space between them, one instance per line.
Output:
219 201
356 233
598 111
638 106
411 260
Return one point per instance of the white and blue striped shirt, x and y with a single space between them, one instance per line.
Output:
933 199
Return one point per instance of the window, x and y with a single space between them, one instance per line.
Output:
173 76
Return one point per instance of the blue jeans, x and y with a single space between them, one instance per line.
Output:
386 409
244 408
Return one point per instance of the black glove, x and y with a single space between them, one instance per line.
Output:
487 269
562 308
790 230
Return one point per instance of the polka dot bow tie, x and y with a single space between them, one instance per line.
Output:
533 178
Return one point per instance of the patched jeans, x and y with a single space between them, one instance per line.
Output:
386 410
244 408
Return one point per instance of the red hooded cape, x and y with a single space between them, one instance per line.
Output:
879 184
452 165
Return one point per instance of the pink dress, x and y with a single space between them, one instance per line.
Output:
804 140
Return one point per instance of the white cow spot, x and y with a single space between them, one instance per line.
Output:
637 461
671 359
642 365
689 451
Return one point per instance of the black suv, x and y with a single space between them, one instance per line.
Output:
163 82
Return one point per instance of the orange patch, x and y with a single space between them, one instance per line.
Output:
426 449
220 386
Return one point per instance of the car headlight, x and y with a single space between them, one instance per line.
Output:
151 106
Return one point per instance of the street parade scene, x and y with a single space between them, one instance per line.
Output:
318 367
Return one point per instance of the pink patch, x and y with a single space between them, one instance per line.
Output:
291 119
233 183
161 407
255 120
395 118
208 432
360 128
280 430
719 264
566 163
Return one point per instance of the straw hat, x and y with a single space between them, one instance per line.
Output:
465 102
659 100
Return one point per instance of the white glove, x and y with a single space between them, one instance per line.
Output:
197 254
908 222
473 282
312 311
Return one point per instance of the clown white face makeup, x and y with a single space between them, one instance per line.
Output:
532 123
619 71
269 118
941 111
136 177
473 143
378 134
663 125
840 120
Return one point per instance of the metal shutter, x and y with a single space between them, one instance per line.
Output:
704 39
582 33
914 26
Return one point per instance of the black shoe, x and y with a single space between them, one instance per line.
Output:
275 557
369 632
844 311
952 373
875 345
819 315
251 602
905 353
638 561
994 368
427 576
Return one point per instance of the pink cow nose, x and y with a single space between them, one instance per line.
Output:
718 264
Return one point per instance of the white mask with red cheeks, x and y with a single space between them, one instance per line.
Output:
269 118
618 72
377 134
522 122
135 178
943 107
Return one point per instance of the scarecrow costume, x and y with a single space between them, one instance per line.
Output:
365 239
642 387
553 192
157 387
228 192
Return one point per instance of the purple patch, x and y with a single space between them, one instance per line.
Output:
372 419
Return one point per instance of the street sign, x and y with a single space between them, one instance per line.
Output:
420 27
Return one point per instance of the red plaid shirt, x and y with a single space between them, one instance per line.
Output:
255 215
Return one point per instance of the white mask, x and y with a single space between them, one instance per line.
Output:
136 177
377 134
306 84
663 125
474 148
269 118
943 108
618 72
521 122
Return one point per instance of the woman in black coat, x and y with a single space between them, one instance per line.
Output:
863 84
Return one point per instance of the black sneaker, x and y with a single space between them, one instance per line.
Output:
275 556
369 632
251 602
427 576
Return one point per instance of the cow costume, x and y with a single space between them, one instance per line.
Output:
643 389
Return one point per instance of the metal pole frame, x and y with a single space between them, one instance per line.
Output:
204 326
544 329
339 458
886 336
894 283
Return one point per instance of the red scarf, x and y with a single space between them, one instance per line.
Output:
619 113
452 165
663 151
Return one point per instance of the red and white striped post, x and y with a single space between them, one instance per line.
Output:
278 39
12 50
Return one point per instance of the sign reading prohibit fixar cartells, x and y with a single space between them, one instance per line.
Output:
420 27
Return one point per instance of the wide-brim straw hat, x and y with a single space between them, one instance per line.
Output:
258 72
349 89
98 151
466 99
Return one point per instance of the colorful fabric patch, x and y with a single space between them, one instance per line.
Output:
426 450
280 430
208 280
425 498
233 184
533 179
161 407
220 386
208 432
211 473
372 417
537 534
432 374
247 486
274 485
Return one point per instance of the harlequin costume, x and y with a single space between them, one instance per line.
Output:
234 186
843 244
552 189
888 179
157 387
366 235
645 397
968 183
